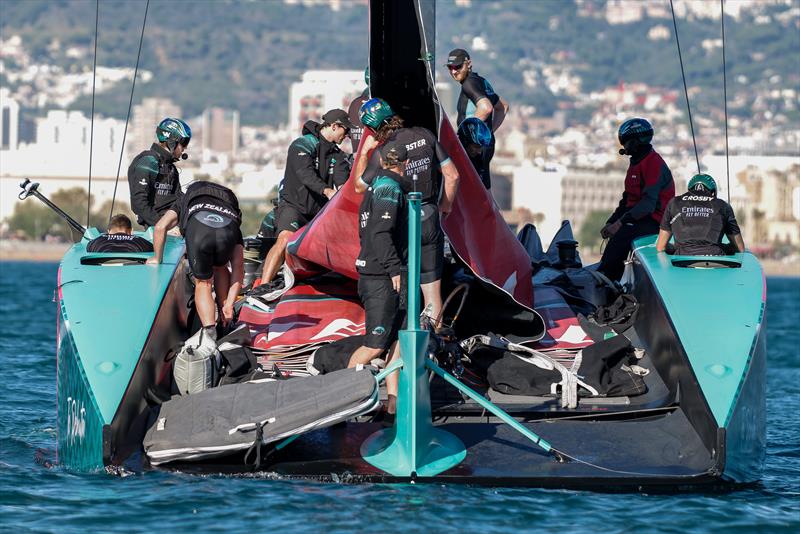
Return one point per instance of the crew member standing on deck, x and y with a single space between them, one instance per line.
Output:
381 260
477 99
209 217
315 168
428 161
648 188
152 175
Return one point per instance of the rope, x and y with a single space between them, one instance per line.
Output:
91 132
725 100
128 118
685 89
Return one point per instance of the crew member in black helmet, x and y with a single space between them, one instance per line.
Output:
152 175
382 260
477 99
119 238
648 188
698 220
209 217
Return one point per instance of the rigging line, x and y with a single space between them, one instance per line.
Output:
128 118
91 131
685 89
725 101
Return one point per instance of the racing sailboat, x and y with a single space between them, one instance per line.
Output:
696 417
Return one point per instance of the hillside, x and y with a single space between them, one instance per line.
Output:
244 55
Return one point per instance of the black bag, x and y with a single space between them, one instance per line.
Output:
619 315
335 356
601 368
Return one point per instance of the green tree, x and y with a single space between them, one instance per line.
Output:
589 234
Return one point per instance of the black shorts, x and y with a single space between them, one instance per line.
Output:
289 218
210 240
432 257
382 309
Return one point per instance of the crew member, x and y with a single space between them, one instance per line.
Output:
381 260
119 238
315 167
648 189
699 219
152 175
209 217
477 99
428 161
353 111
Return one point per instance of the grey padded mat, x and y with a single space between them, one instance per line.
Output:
223 420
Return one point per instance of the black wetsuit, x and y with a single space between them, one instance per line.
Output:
119 243
698 223
352 111
474 88
425 159
312 165
210 220
154 184
383 236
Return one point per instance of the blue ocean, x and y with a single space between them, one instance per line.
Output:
38 496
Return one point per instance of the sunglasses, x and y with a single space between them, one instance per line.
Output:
455 68
184 141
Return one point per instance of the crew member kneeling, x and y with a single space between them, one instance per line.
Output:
119 238
698 219
382 232
209 218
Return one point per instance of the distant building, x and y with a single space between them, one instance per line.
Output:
9 115
321 90
145 118
220 132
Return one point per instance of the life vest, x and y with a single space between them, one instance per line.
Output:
209 193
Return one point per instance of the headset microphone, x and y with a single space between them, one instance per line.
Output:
184 156
621 152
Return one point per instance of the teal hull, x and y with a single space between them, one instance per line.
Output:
109 316
713 319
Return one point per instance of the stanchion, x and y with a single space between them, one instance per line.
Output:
413 447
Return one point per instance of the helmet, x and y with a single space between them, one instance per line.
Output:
374 112
703 183
172 132
635 129
473 130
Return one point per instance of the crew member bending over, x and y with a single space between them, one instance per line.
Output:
209 218
428 161
118 238
698 220
381 260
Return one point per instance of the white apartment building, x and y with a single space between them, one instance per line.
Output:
321 90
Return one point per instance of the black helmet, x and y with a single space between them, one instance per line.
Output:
635 128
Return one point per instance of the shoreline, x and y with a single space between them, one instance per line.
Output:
35 251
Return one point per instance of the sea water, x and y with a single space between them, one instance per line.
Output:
37 496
